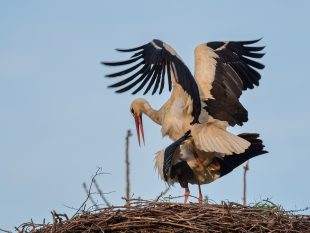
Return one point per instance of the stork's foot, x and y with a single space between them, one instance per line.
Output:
186 195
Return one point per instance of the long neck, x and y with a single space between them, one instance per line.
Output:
151 113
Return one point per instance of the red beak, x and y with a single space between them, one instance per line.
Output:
139 128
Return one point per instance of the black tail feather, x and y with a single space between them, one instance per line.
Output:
169 152
229 163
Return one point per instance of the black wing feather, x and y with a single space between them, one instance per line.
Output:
246 42
235 71
154 75
132 49
162 83
253 55
130 78
145 80
123 72
157 77
252 63
169 153
254 49
159 58
120 63
169 76
128 87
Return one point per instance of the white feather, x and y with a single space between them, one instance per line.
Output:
211 138
158 165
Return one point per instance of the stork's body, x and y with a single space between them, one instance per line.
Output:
174 116
183 168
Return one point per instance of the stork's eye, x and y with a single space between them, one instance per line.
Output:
132 111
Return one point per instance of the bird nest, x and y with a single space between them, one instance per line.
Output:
144 216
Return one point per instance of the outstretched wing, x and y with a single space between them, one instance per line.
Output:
223 70
151 66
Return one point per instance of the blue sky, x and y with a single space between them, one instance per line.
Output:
59 122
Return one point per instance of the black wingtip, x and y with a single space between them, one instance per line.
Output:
120 50
158 42
248 42
131 49
254 49
259 39
121 63
109 76
118 91
113 85
107 63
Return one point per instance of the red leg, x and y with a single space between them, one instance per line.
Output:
200 198
186 195
200 164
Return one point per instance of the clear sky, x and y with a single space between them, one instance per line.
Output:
59 122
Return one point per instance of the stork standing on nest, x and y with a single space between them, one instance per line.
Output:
177 164
206 103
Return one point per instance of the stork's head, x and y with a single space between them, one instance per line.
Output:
137 108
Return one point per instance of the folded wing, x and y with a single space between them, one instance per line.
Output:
212 138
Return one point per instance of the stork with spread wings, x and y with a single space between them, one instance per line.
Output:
204 104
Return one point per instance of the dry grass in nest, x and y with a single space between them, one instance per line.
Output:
144 216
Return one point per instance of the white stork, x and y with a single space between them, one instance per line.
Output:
211 98
178 164
206 103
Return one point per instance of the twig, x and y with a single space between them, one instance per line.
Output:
98 172
90 196
101 194
245 170
127 194
57 216
70 207
299 210
162 193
